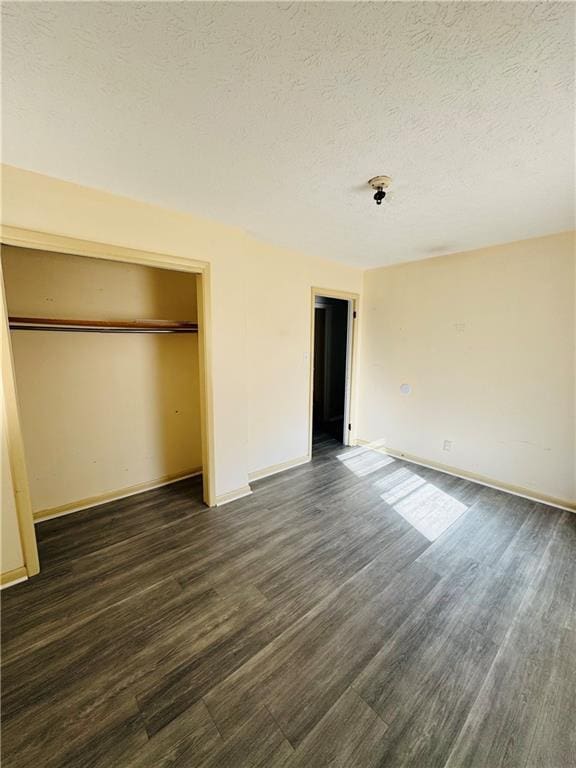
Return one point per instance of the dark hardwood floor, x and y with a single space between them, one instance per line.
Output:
355 611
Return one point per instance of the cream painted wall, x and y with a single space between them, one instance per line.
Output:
486 341
102 412
260 417
278 363
55 283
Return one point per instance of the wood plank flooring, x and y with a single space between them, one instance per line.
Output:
357 611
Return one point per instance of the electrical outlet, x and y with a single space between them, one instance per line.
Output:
447 445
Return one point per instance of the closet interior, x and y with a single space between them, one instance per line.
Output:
106 361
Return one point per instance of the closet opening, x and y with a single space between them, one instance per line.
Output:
109 364
333 319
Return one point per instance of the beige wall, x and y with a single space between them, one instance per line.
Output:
277 352
102 413
260 298
485 339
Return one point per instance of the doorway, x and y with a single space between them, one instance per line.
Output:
331 368
97 252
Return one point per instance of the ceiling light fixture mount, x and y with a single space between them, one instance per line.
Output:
380 183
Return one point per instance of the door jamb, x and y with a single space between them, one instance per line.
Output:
351 362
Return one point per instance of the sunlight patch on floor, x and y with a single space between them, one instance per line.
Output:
430 510
426 507
363 461
398 484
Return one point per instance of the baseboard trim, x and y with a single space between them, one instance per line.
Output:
275 469
10 578
238 493
93 501
489 482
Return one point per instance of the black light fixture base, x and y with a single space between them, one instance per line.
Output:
380 183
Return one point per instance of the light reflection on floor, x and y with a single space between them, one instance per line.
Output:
429 509
363 461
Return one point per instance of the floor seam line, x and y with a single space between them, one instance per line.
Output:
211 716
275 721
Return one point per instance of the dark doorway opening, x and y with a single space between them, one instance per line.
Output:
331 318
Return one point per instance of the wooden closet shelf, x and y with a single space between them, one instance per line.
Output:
101 326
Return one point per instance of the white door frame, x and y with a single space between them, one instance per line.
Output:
346 437
351 347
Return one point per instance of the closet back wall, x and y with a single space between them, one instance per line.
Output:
102 413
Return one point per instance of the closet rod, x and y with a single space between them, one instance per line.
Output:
101 326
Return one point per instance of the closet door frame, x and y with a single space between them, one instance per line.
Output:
43 241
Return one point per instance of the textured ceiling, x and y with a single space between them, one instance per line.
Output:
272 116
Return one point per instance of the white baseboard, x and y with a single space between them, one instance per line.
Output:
10 578
515 490
67 509
274 469
238 493
245 490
